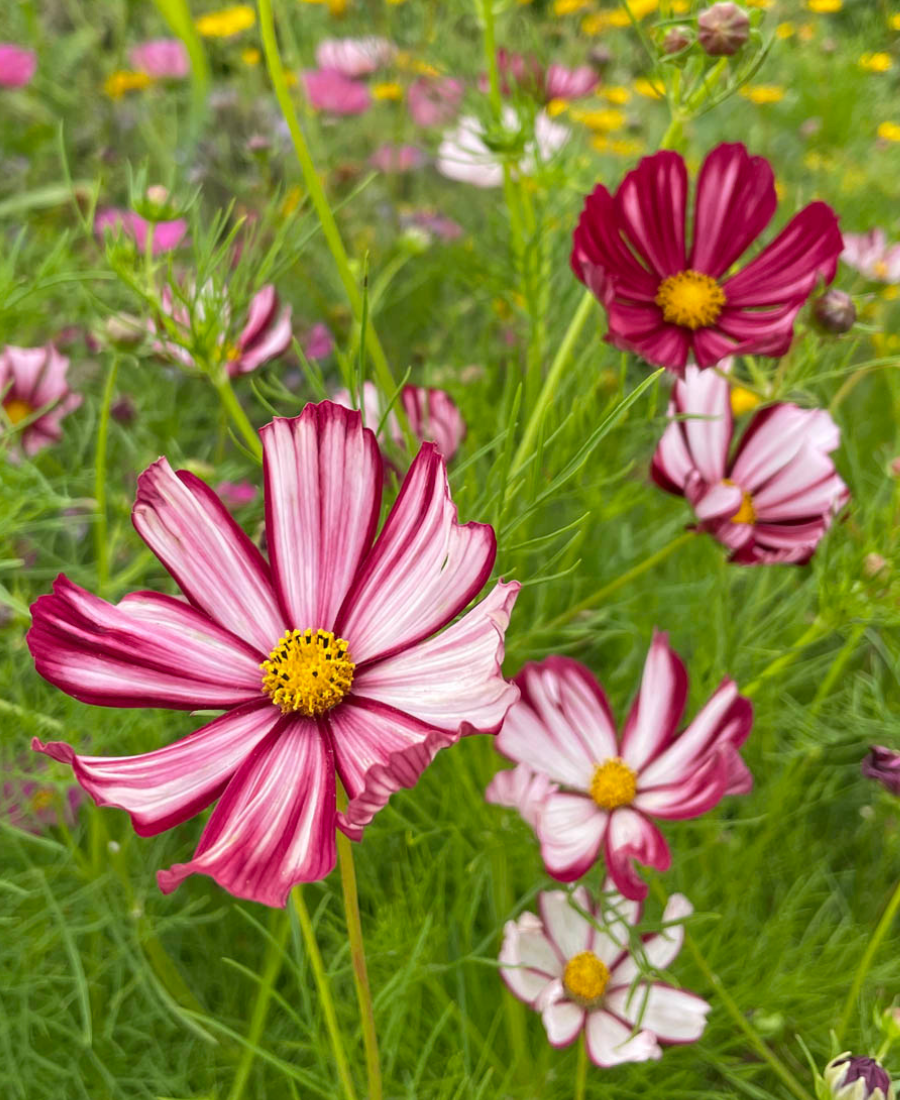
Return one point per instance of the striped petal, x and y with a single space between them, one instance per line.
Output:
631 836
659 705
672 1015
571 829
566 928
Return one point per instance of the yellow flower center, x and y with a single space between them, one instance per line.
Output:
17 410
880 269
746 513
42 799
691 299
309 671
742 400
585 978
614 784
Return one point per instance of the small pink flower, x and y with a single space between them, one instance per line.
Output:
775 499
668 300
161 58
17 65
521 789
355 56
236 493
432 414
31 380
167 236
319 343
332 92
517 72
434 101
33 806
331 657
397 158
870 255
614 785
579 972
563 83
883 765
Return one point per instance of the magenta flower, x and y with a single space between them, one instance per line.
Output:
563 83
581 975
434 101
161 58
775 499
432 414
397 158
613 786
167 236
883 765
871 255
355 56
33 381
326 659
668 302
332 92
17 65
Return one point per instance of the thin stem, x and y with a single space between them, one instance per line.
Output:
673 136
235 410
887 919
101 526
581 1068
837 667
358 956
321 978
271 969
816 631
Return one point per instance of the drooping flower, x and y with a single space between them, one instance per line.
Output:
871 255
852 1077
33 380
579 972
329 658
161 58
432 414
17 65
883 765
669 302
434 101
776 497
612 786
167 236
397 158
525 74
332 92
355 57
464 154
265 336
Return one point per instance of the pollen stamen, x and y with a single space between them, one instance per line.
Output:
17 410
308 672
614 784
690 299
585 978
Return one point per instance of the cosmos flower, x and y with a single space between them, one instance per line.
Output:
464 154
318 343
17 65
668 301
29 804
521 789
236 493
161 58
611 786
432 415
397 158
432 223
883 765
581 974
167 236
332 92
871 255
33 380
563 83
355 57
776 497
434 101
330 658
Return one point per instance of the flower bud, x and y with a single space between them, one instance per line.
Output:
882 765
834 310
123 410
599 57
676 40
723 29
124 330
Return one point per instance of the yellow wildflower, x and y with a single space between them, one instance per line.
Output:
227 22
615 94
337 7
875 62
890 293
681 7
889 131
894 22
763 93
824 7
121 82
758 3
292 199
647 88
619 147
594 24
557 107
603 121
251 55
785 30
568 7
387 90
743 400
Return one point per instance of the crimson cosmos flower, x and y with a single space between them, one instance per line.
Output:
611 786
669 301
432 415
326 658
775 499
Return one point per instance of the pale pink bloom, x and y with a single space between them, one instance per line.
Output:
236 493
521 789
161 58
432 414
613 785
523 72
397 158
871 255
355 56
17 65
167 236
265 336
775 499
360 678
432 223
332 92
465 156
434 101
563 83
319 343
33 380
582 976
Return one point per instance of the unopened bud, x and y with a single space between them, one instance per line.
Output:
157 194
874 564
124 330
723 29
600 57
676 40
853 1078
834 310
882 765
123 410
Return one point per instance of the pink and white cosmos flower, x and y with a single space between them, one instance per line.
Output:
355 56
668 299
330 658
330 91
611 786
582 979
464 154
872 256
775 499
563 83
33 380
432 415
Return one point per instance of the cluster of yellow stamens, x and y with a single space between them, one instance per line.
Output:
614 784
746 513
585 978
309 671
17 410
690 299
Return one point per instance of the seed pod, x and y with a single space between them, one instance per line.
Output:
723 29
834 310
677 39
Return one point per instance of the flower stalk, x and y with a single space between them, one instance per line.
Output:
881 930
101 526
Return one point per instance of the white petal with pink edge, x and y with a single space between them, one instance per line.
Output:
563 1021
694 795
571 829
610 1042
703 398
528 961
323 479
521 789
673 1015
659 705
659 949
564 925
631 836
274 825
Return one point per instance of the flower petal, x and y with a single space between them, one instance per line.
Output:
521 789
659 705
274 825
631 836
602 260
651 202
704 399
570 829
610 1042
528 961
163 788
672 1015
693 796
563 1021
213 562
563 924
659 949
422 571
149 651
268 345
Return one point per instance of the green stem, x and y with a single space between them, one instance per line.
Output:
673 136
271 969
837 667
101 526
321 978
816 631
233 407
581 1069
887 919
358 956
